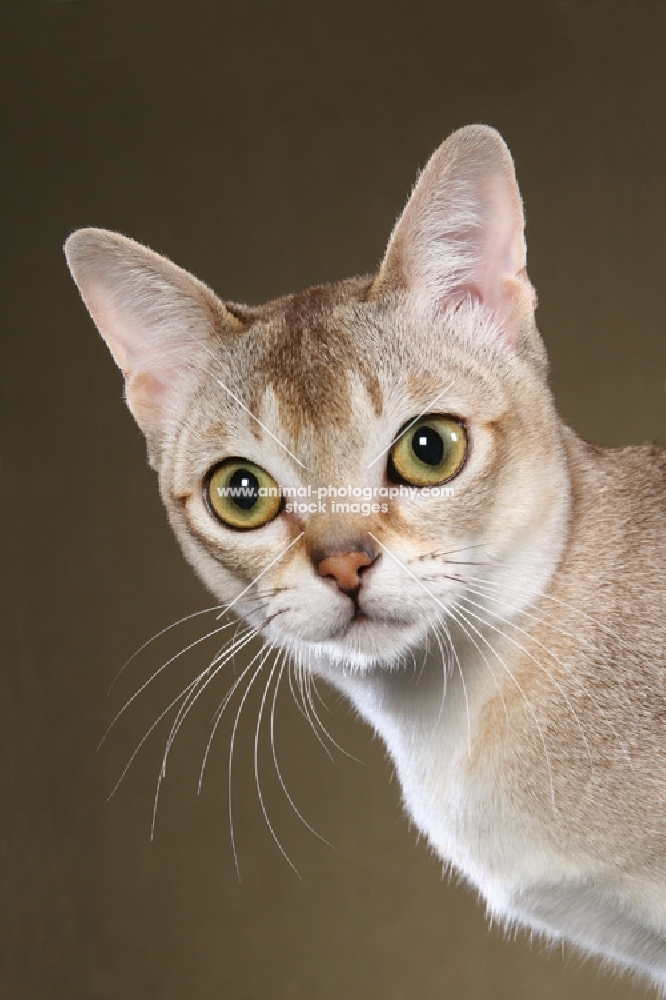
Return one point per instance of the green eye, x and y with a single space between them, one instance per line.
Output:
430 452
241 494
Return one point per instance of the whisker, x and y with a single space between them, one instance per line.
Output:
296 697
308 680
469 719
179 697
548 673
299 676
202 682
568 670
220 660
227 653
219 712
424 659
564 666
256 767
320 698
538 595
284 664
159 718
166 664
231 755
480 590
458 611
441 553
157 635
445 662
483 656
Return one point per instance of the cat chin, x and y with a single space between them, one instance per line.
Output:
366 647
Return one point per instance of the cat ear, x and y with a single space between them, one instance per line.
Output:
154 317
461 233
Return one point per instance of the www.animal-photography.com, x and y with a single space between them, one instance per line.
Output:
333 471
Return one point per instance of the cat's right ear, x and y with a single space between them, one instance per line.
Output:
155 318
461 234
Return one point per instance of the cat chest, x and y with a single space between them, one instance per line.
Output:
474 823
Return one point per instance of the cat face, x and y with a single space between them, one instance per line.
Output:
402 421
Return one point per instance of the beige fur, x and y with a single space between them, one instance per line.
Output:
530 750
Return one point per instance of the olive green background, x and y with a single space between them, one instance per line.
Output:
266 147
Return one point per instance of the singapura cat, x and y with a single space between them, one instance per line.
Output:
531 751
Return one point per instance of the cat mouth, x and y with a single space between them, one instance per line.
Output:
358 619
363 620
366 640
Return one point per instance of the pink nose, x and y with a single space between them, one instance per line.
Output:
344 568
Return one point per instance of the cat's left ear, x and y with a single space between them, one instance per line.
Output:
461 233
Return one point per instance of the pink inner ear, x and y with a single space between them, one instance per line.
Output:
461 234
460 294
149 341
497 253
147 397
505 250
512 304
154 316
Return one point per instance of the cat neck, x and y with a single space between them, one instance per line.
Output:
436 717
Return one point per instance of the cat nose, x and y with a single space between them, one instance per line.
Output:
345 568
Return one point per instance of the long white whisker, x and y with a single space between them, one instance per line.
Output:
231 756
319 695
550 622
168 663
483 656
202 682
219 712
299 676
256 767
467 709
538 595
277 768
541 666
564 666
159 718
444 609
424 660
308 678
458 611
163 631
545 618
219 661
445 662
294 695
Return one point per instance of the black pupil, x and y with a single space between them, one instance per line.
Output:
247 485
428 446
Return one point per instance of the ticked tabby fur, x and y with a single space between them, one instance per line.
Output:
531 749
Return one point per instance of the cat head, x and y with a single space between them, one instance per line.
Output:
342 463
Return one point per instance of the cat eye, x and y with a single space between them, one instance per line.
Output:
241 494
429 452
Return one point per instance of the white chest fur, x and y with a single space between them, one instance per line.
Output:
460 800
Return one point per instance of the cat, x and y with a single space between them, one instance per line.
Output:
375 469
